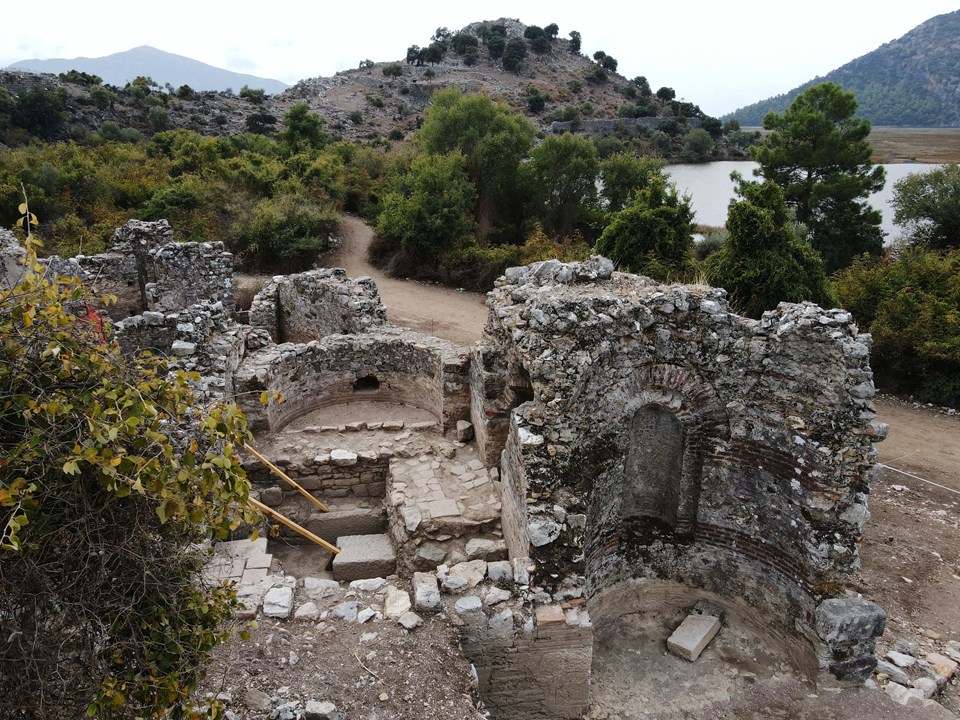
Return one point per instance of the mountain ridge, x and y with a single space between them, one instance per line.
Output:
162 66
913 81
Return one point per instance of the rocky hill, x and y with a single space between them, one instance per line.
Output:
913 81
164 67
556 86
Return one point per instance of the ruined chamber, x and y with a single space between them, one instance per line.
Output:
654 444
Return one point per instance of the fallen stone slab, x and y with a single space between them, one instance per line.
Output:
693 636
900 659
321 588
464 431
364 556
307 611
410 620
473 572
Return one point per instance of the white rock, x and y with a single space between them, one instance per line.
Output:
468 605
901 660
410 620
321 588
278 602
346 611
426 596
365 614
473 572
368 585
396 603
343 458
307 611
496 595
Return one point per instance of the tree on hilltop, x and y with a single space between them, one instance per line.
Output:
576 41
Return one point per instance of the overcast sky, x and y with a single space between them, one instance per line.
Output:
720 55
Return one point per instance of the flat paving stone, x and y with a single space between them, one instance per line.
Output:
364 556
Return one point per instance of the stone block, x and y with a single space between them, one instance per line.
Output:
845 619
693 636
364 556
278 602
473 572
271 496
464 431
550 615
426 595
321 588
500 572
485 549
348 521
942 665
396 603
307 611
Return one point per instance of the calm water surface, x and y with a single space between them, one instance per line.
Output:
711 189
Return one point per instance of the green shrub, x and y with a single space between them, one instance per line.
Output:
283 234
911 306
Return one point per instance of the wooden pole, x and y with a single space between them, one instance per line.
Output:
283 476
293 526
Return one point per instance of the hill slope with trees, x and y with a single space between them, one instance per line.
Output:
913 81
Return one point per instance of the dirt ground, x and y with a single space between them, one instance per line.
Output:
910 567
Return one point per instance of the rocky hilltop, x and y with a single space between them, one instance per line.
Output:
555 84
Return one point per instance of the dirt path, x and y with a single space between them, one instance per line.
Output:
431 309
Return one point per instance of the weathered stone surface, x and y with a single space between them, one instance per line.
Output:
307 611
468 605
692 636
485 549
346 611
473 572
901 660
464 431
895 673
375 584
278 602
321 710
410 620
396 603
942 665
321 588
426 595
343 458
364 556
500 572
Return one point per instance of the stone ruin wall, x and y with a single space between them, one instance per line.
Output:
311 305
390 365
669 438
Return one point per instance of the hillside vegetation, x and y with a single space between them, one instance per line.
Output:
913 81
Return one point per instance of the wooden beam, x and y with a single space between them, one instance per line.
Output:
283 476
270 512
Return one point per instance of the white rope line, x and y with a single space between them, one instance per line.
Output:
917 477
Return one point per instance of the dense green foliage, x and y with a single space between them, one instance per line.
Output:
818 153
110 471
654 234
910 82
761 262
928 206
273 202
911 306
562 180
623 174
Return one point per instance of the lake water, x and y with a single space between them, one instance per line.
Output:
711 190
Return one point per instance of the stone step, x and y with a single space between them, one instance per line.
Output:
364 556
347 521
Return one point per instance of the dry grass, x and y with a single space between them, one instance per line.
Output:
932 145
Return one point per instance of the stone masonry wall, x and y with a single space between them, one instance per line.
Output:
314 304
391 365
759 493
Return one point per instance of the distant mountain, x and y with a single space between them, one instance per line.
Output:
122 67
910 82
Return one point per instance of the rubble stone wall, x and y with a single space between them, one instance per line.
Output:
390 365
314 304
669 438
541 672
